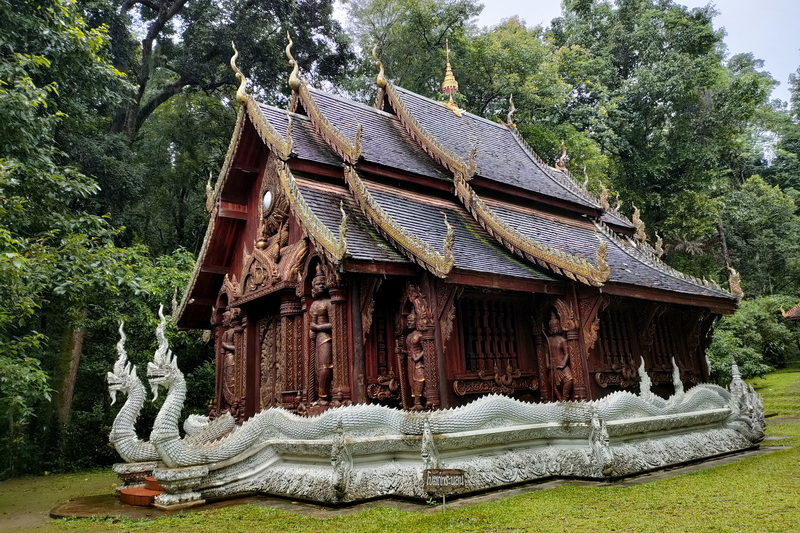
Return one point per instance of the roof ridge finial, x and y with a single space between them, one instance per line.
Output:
294 77
735 283
604 197
659 246
380 79
241 93
450 85
511 110
562 161
638 223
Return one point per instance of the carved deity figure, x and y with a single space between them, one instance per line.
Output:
416 360
321 330
231 321
559 359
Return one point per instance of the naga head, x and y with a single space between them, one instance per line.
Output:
163 369
123 377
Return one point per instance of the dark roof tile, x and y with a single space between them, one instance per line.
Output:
628 264
384 140
500 155
474 250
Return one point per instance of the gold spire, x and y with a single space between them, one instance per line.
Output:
450 85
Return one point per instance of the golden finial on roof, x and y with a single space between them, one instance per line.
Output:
450 85
735 283
209 194
241 94
472 167
294 77
511 110
604 198
380 79
638 223
601 257
562 161
659 247
449 239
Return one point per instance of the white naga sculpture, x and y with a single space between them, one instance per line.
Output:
360 452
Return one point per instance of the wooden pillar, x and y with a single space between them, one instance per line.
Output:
341 390
291 328
359 378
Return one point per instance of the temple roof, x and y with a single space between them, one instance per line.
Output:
454 194
793 313
500 154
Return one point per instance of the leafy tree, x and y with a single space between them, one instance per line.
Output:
674 116
52 255
186 45
180 148
785 168
763 235
756 337
411 36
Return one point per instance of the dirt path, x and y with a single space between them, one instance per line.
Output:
26 502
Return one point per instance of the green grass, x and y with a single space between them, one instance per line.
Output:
759 493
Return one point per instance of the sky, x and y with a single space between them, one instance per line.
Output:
770 29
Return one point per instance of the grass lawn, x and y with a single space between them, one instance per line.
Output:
759 493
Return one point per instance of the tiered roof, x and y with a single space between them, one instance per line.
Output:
460 196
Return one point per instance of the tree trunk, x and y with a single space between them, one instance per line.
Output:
70 358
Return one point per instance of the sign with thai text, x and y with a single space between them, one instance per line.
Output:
442 480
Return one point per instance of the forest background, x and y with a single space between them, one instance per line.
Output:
115 117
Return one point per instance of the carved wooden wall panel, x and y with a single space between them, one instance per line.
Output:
618 348
383 374
291 332
498 354
271 362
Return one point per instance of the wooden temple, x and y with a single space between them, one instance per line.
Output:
414 255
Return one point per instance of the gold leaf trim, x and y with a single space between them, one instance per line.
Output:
559 262
412 247
269 135
645 254
430 145
323 238
350 152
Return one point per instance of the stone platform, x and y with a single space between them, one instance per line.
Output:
109 505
